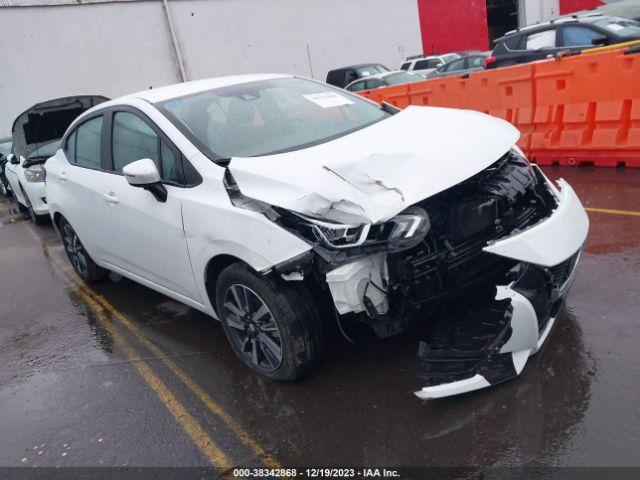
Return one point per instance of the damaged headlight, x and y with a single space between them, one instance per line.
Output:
401 232
36 173
408 229
333 234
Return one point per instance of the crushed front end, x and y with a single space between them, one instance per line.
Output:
477 271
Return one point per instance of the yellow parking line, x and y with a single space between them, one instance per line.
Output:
190 425
632 213
205 398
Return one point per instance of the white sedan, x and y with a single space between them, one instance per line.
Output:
282 206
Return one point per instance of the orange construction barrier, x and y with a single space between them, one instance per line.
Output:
580 109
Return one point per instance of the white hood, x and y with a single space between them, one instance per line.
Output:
373 174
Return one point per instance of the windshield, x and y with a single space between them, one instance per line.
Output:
268 116
5 148
400 77
371 70
45 151
623 27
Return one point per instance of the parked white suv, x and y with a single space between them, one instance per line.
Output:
424 65
282 206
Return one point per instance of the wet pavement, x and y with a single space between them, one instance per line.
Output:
72 391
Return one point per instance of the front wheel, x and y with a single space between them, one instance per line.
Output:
35 218
273 327
82 263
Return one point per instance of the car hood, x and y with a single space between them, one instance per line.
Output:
47 121
373 174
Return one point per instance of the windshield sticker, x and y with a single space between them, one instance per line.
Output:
328 99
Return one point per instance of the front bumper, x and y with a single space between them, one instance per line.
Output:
549 252
37 196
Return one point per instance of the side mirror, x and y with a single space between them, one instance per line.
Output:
600 41
13 160
144 174
439 65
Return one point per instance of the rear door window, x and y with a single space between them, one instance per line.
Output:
476 62
455 66
83 146
405 66
374 83
357 86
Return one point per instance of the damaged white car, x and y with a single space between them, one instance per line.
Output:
279 204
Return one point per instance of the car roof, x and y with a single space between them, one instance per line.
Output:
358 65
588 17
187 88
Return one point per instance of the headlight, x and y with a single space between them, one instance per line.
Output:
403 231
333 234
36 173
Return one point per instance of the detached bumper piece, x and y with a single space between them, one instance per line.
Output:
486 341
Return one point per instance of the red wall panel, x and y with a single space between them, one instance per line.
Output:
450 25
570 6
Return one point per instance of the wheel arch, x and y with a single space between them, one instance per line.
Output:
212 271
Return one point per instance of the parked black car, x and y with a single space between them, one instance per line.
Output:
5 150
571 33
341 77
470 63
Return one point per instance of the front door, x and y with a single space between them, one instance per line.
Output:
147 234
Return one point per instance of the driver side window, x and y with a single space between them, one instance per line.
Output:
133 139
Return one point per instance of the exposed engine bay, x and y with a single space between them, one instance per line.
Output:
478 315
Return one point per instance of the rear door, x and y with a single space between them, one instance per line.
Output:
147 235
77 181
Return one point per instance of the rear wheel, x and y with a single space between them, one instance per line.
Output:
272 327
82 263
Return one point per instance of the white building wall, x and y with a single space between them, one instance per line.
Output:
537 11
119 47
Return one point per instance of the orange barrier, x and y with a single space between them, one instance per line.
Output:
581 109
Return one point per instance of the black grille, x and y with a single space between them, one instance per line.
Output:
561 272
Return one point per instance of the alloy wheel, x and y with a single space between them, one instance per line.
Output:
253 328
75 250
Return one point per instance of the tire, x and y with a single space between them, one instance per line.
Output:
82 263
3 189
35 218
280 312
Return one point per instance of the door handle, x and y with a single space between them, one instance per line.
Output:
110 197
63 176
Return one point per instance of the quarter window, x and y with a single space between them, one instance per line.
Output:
541 40
86 144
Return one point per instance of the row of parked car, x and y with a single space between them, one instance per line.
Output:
565 35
